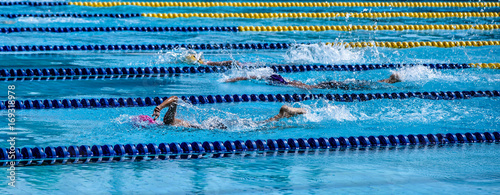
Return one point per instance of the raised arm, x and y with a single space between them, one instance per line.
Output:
232 80
164 104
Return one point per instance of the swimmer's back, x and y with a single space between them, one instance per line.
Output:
348 85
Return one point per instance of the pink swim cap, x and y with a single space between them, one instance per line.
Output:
146 118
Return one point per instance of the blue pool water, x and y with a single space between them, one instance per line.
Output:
464 169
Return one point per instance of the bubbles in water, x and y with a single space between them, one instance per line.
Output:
176 56
422 74
258 72
323 54
133 120
323 110
212 118
416 110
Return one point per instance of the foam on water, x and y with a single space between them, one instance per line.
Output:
324 110
260 73
397 111
422 74
132 120
70 20
323 54
175 56
210 116
205 118
180 56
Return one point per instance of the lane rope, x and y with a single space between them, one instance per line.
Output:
290 4
325 15
64 74
237 98
485 65
195 150
245 46
253 28
260 4
271 15
371 27
125 72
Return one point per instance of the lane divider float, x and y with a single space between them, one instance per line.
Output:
253 28
290 4
83 73
485 65
83 154
371 27
246 46
259 4
326 15
271 15
237 98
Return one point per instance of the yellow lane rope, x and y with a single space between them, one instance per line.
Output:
325 15
443 44
290 4
485 65
371 27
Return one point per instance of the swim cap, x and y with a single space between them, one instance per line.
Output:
144 119
193 58
277 79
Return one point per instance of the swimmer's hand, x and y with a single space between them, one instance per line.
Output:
156 113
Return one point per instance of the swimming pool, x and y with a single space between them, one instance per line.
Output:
469 167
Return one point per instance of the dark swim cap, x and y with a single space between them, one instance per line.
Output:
277 78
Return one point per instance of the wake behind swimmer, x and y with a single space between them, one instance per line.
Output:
171 119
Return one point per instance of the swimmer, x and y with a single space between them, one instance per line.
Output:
170 119
196 58
7 22
276 79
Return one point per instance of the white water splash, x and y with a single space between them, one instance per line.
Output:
211 117
422 74
133 120
323 54
323 110
258 72
175 56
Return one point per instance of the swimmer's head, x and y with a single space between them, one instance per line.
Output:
193 58
394 78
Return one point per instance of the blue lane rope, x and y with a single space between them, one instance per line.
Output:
150 47
10 3
245 46
236 98
62 73
111 29
73 15
195 150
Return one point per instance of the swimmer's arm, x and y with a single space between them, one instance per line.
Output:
164 104
183 123
232 80
223 63
301 85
